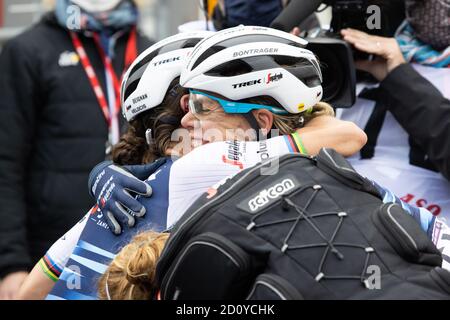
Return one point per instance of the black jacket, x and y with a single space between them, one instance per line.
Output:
52 133
424 113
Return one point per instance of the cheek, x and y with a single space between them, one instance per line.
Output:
227 121
243 123
216 121
218 127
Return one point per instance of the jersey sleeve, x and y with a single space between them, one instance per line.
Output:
424 217
54 261
206 166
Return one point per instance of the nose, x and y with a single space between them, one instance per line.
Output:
187 121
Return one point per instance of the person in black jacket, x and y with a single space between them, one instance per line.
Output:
58 115
406 116
415 102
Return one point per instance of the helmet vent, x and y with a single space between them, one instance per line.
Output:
181 44
231 68
130 89
301 68
236 41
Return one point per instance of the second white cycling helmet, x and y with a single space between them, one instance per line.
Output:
147 80
246 62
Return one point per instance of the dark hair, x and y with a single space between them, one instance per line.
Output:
132 147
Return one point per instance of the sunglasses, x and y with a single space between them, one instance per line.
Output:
203 103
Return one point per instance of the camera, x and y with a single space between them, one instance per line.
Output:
376 17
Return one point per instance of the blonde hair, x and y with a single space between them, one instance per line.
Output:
131 275
287 124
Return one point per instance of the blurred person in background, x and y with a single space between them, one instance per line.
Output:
407 115
58 118
223 14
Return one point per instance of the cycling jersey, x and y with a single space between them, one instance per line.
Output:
84 261
176 185
57 256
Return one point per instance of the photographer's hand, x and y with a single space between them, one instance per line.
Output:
387 51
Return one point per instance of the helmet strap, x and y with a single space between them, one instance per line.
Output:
255 125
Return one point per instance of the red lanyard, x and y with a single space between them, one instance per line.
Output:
130 56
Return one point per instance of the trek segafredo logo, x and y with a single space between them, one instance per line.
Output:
268 79
272 193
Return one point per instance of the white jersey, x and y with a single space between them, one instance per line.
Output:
390 165
208 165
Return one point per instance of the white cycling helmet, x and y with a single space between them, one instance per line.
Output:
146 81
247 61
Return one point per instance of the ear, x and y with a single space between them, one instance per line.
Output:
264 118
184 103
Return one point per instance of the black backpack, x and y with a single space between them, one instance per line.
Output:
315 229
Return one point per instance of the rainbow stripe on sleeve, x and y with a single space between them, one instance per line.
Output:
295 143
50 268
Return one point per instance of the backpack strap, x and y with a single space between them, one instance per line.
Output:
333 163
